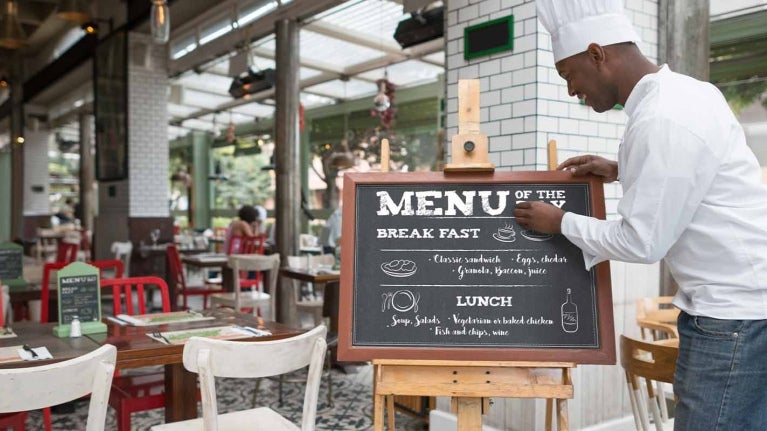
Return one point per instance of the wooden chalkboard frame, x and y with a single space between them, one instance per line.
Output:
603 354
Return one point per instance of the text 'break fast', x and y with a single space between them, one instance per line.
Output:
428 233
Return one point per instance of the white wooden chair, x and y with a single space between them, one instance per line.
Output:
122 251
75 378
311 303
46 245
646 363
221 358
256 297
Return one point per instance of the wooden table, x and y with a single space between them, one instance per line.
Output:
663 315
330 294
135 349
41 334
212 260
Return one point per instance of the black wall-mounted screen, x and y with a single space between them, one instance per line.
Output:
489 37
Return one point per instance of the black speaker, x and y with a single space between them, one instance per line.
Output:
421 27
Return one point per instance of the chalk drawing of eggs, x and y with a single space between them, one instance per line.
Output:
399 268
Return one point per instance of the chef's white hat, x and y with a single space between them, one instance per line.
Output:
574 24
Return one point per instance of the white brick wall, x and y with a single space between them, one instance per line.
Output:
36 171
507 79
526 81
147 128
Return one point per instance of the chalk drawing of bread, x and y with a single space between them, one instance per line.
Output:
399 268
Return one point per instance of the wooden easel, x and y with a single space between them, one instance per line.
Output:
470 384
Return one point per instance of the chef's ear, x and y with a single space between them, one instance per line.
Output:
596 53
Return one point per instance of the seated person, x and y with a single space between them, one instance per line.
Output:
247 223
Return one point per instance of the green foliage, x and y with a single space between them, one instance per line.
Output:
246 184
744 94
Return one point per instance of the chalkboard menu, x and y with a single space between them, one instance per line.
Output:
11 264
79 293
434 266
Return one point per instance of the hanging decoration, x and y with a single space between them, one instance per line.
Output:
301 121
159 21
383 104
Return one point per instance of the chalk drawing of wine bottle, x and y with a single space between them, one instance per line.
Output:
569 314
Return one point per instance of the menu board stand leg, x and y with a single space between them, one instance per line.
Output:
471 384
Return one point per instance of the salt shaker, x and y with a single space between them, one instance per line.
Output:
75 330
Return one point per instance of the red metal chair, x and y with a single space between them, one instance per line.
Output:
114 266
177 276
138 391
67 252
251 245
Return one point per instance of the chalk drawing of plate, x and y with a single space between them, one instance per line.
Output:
399 268
502 239
534 235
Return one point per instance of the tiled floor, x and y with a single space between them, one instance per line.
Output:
352 405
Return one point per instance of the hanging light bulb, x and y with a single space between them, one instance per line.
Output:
12 36
159 21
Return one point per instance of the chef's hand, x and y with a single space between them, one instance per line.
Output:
582 165
540 216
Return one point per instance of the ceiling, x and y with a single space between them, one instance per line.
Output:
345 46
343 51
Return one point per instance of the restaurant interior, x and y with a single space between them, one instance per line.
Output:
134 134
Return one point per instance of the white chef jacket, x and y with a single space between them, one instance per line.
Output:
692 193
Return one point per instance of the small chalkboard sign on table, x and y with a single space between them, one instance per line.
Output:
79 295
12 265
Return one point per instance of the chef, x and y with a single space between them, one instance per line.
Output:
692 196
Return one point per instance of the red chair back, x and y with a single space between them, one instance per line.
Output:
123 289
253 244
175 267
67 252
45 293
234 245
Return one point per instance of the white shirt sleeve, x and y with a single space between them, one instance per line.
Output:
665 172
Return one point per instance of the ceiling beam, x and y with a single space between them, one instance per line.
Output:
255 30
336 32
256 97
420 50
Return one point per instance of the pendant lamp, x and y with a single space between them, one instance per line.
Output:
159 21
12 36
74 11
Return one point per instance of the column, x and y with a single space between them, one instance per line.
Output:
37 206
199 196
287 149
87 176
17 151
5 194
129 209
